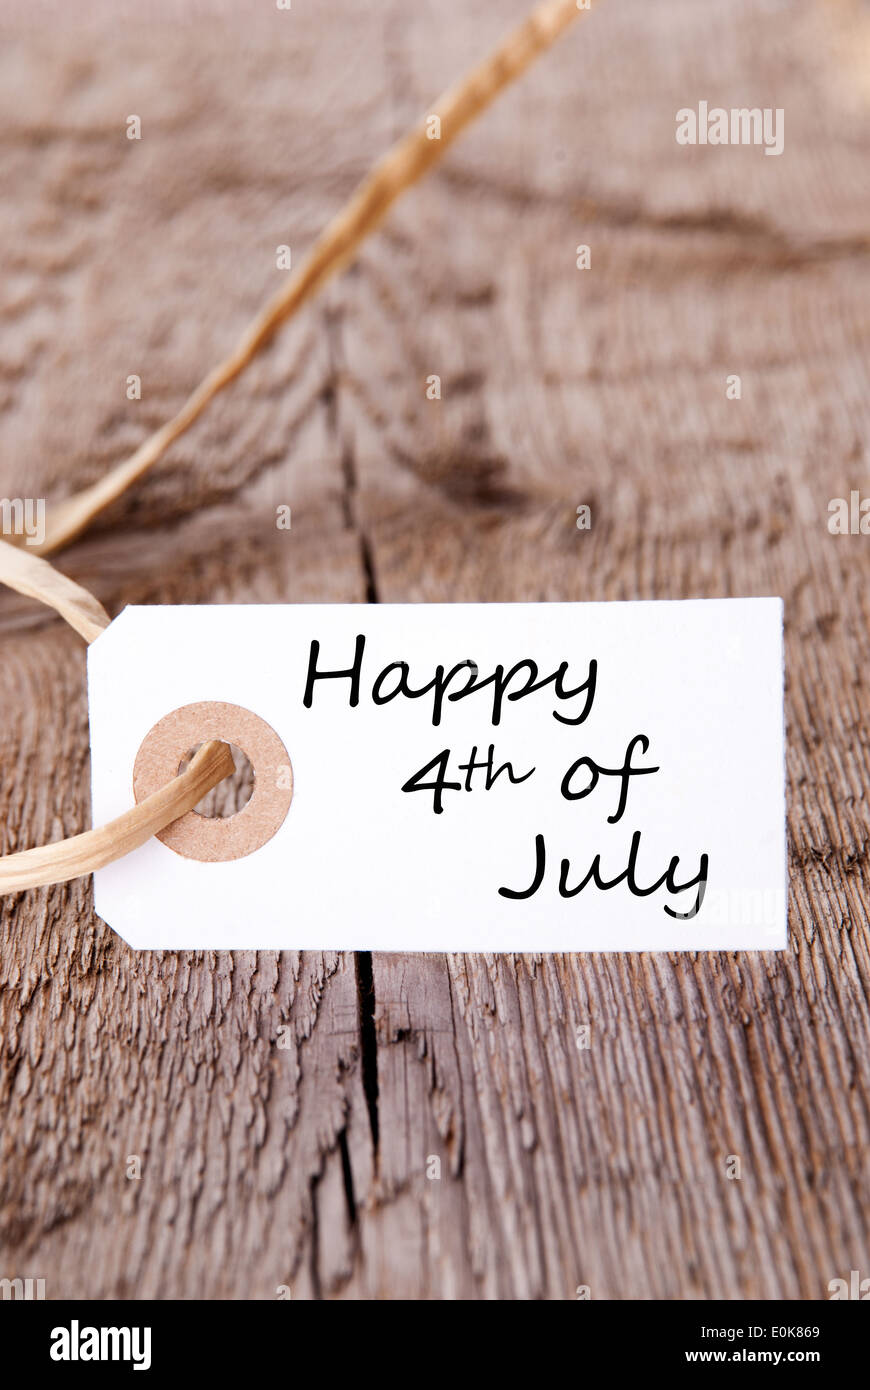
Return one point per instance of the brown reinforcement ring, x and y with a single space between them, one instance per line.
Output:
210 838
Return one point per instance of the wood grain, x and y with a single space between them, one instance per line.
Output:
304 1164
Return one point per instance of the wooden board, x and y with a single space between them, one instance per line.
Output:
305 1164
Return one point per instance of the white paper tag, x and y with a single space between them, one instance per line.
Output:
482 777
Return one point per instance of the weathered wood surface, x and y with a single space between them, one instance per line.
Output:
306 1166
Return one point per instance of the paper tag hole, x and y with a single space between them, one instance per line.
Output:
232 794
252 807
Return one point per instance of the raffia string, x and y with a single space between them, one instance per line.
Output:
38 579
408 160
84 853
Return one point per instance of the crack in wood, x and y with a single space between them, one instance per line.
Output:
368 1040
362 959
